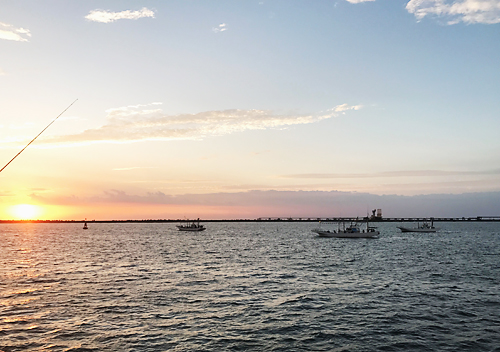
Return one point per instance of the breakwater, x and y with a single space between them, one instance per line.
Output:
274 219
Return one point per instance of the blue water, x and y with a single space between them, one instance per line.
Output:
247 287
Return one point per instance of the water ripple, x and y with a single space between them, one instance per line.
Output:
247 287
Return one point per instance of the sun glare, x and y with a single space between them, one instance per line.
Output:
25 211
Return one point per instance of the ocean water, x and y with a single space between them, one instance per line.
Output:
247 287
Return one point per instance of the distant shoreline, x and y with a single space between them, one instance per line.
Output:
264 220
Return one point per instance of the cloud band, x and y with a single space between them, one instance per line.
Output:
104 16
148 122
9 32
467 11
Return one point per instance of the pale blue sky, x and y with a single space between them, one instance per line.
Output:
216 97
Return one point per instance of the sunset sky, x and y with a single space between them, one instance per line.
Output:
247 109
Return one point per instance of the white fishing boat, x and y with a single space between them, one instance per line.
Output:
424 227
354 230
193 226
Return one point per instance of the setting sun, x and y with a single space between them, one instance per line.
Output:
25 211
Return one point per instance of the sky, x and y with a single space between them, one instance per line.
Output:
248 109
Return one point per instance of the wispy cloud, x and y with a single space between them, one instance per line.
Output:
133 168
406 173
220 28
261 152
9 32
358 1
456 11
148 122
104 16
26 125
345 107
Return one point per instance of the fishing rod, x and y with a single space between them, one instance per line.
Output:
11 160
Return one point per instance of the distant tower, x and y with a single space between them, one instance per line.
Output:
378 216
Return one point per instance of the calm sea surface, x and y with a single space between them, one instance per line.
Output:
248 287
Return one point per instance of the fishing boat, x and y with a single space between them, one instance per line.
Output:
354 230
193 226
423 227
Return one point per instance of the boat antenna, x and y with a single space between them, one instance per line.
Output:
11 160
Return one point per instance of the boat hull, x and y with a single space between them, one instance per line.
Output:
406 229
191 229
340 234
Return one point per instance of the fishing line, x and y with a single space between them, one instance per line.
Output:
38 135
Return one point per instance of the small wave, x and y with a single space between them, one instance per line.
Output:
82 349
181 293
405 346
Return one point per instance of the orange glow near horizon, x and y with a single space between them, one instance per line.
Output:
124 211
134 211
25 211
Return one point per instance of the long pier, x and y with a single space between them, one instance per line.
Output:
273 219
